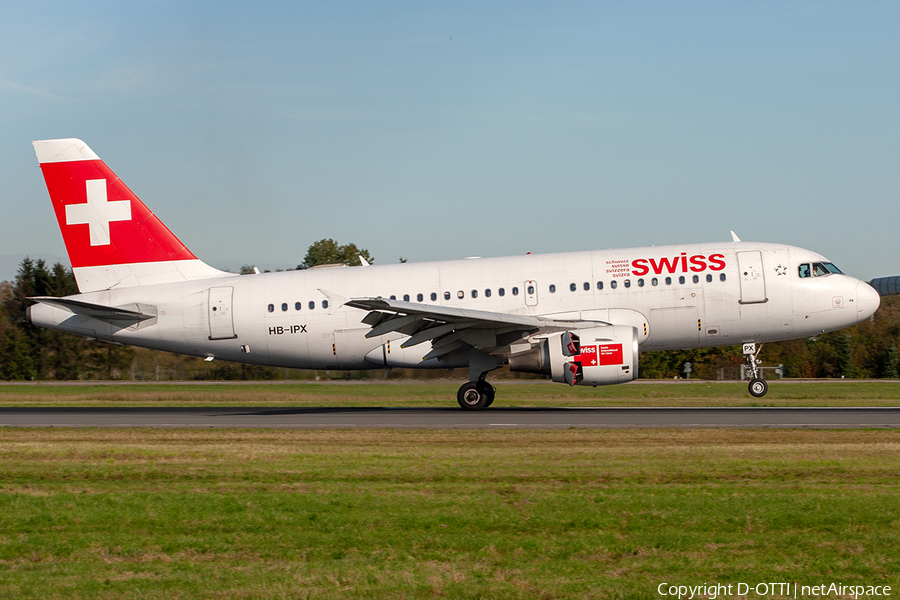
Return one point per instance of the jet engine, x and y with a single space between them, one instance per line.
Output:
596 356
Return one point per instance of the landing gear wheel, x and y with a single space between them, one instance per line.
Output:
489 390
473 395
758 387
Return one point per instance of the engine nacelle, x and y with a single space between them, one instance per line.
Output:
595 356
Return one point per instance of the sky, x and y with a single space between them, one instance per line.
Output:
440 130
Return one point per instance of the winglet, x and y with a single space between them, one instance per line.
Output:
734 237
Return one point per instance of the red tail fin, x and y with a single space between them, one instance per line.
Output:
112 238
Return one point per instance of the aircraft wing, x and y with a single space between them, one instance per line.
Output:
450 328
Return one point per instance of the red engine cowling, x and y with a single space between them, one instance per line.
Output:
595 356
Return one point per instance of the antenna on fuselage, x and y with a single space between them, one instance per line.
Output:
734 237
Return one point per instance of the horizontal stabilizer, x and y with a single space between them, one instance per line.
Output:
133 313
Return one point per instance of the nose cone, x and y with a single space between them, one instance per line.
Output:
867 301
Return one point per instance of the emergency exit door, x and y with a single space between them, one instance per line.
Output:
753 282
221 322
531 294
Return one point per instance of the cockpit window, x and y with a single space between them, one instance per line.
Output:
817 269
825 269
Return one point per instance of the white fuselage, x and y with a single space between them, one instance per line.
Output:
686 296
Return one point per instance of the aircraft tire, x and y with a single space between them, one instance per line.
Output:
472 396
758 387
490 391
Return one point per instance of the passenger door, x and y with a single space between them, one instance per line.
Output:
221 321
753 282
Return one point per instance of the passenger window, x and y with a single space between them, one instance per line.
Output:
696 279
324 303
312 304
487 293
681 279
515 291
284 307
433 296
552 289
419 297
572 287
271 308
628 283
599 285
392 298
474 293
587 286
613 284
531 290
640 283
721 276
668 281
297 305
460 294
406 297
501 292
708 278
654 282
446 295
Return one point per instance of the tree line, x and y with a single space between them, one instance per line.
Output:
30 352
866 350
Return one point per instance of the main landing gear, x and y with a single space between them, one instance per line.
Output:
758 386
475 395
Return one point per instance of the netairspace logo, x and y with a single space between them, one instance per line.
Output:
711 591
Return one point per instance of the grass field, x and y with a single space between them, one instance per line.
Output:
443 393
441 514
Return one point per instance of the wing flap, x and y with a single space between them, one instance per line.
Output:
450 328
434 332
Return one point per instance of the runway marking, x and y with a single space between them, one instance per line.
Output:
425 418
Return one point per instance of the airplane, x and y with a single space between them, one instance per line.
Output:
579 318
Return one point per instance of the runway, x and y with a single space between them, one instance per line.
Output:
452 418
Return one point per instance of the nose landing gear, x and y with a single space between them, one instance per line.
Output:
758 386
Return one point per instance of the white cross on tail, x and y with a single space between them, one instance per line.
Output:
97 212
